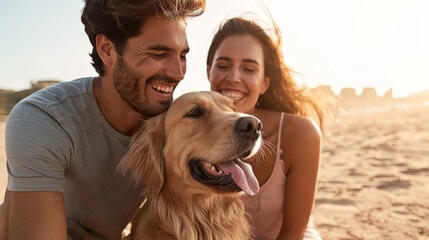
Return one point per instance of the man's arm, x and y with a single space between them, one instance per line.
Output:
33 215
38 150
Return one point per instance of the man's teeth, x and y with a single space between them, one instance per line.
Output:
163 89
233 95
212 168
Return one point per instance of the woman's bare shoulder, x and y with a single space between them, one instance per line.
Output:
296 126
301 142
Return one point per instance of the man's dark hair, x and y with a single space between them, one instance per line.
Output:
120 20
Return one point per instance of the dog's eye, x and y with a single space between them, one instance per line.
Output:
195 113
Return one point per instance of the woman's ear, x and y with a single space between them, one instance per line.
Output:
265 85
106 50
208 73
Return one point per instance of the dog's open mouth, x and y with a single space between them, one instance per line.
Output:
234 175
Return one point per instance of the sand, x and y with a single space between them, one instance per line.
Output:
374 176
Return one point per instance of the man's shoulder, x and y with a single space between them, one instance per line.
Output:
56 101
62 91
58 95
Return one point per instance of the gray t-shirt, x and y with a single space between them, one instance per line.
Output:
57 139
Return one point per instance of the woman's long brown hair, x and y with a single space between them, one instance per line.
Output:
283 95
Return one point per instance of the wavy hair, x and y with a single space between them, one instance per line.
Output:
283 93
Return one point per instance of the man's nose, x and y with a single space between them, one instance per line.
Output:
176 69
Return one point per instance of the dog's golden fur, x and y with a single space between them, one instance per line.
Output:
196 126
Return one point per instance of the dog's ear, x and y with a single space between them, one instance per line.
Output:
145 158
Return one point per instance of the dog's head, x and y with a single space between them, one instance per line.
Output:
198 145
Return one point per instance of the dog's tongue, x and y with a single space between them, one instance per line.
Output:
242 174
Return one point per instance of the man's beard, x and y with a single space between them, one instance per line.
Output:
128 86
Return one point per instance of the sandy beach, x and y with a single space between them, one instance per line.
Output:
374 176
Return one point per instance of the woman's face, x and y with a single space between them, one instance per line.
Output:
237 71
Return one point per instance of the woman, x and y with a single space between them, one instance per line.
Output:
245 64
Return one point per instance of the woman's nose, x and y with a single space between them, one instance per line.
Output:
233 76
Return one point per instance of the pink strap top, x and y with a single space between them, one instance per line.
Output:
265 209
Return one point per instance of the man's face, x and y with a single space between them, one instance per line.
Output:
151 65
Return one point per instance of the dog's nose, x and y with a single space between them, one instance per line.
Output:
249 126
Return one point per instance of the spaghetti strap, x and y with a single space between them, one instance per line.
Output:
279 137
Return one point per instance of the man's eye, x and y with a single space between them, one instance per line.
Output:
158 55
195 113
183 57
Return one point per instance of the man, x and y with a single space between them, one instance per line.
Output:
63 143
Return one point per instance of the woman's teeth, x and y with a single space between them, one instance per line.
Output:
233 95
162 89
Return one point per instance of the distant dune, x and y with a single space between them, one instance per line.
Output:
8 98
421 96
348 99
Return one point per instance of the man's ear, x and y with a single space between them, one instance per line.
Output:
265 85
106 50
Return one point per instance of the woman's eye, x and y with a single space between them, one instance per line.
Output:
222 66
249 70
195 113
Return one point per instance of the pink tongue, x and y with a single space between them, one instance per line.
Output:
242 174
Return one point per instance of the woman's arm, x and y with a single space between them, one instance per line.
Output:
301 145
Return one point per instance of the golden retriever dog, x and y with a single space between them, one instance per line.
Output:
190 160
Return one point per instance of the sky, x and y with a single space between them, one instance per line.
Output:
343 43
